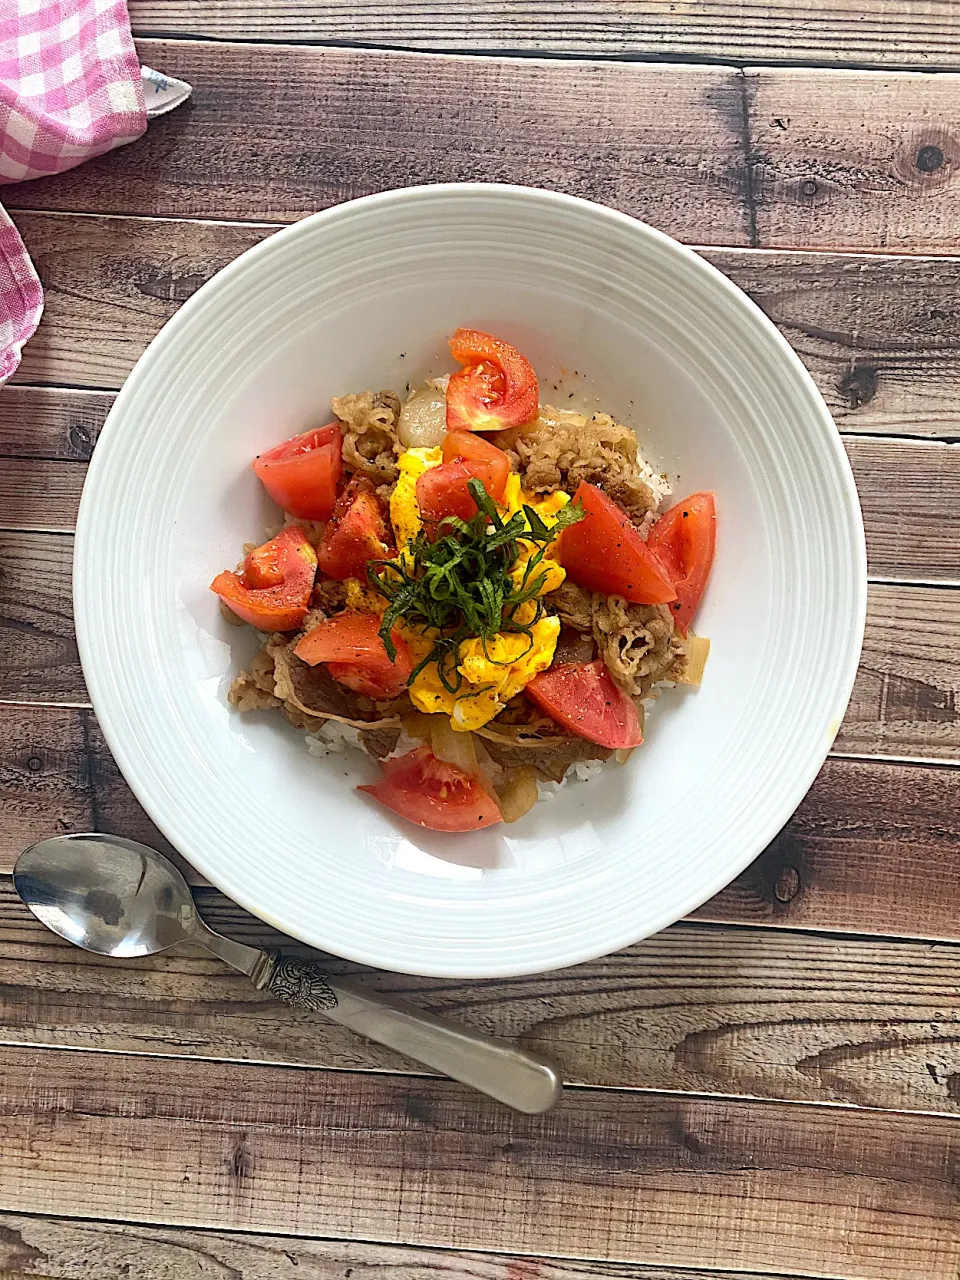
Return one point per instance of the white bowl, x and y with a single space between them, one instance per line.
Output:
614 315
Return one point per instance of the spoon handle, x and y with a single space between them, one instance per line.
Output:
496 1067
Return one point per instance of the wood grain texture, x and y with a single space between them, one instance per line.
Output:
44 776
904 34
110 286
272 134
905 700
879 334
873 848
62 1249
55 424
728 1011
910 497
40 494
781 158
855 159
57 776
613 1175
40 659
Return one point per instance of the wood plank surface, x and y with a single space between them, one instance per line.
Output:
110 286
63 1249
271 134
906 33
40 658
56 776
763 1091
783 158
910 497
729 1011
855 159
873 848
905 701
879 334
56 424
681 1181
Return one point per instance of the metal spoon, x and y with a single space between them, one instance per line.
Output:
117 897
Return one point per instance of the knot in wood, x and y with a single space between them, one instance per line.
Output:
787 884
930 159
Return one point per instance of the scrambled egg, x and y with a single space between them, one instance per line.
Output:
404 511
493 676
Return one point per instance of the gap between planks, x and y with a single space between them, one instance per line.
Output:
870 849
718 1010
893 36
65 1247
834 159
879 335
677 1180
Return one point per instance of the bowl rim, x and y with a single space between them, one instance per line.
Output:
733 295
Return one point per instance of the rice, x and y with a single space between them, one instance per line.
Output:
656 481
582 771
332 738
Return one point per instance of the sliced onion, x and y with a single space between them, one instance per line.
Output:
697 649
417 725
423 419
518 793
456 748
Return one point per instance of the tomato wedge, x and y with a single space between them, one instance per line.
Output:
491 463
604 552
434 794
584 698
301 474
272 590
442 491
350 645
357 532
495 389
684 539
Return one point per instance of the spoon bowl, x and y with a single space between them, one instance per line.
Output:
111 896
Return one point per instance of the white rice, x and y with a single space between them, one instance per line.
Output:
582 771
335 737
660 486
331 738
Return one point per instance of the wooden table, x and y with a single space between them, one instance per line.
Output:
771 1088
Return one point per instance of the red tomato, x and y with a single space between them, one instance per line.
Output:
442 491
272 590
605 552
350 645
495 389
490 463
357 532
434 794
301 474
583 697
684 539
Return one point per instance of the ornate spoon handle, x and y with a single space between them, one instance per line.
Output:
496 1067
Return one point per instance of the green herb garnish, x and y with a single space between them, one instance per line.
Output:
459 583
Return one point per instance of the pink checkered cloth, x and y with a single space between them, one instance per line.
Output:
71 87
